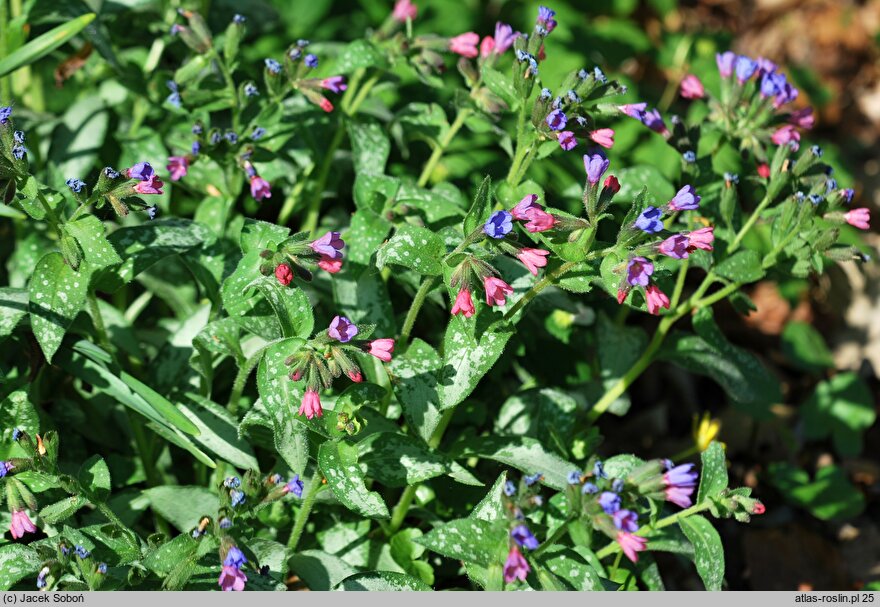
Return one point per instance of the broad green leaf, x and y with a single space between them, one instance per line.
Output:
708 551
546 414
416 373
396 460
828 496
370 146
163 559
374 191
57 294
247 308
183 506
572 568
468 539
367 231
339 465
17 411
632 179
96 249
13 307
218 433
122 542
805 348
469 353
362 296
479 211
383 581
94 479
44 44
415 248
842 407
319 570
75 147
619 347
62 510
292 308
523 453
16 563
501 85
743 266
713 475
358 54
425 121
258 235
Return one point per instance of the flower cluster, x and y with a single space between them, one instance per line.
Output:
296 255
232 578
519 499
329 355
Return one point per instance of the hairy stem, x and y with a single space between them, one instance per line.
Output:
444 142
98 321
539 286
415 306
748 224
672 519
315 487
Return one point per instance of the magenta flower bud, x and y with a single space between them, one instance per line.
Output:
701 239
311 405
381 349
533 259
342 329
260 188
633 110
151 185
604 137
685 199
859 218
516 567
626 520
463 304
328 264
177 167
403 10
465 44
638 271
284 274
725 63
329 245
803 118
335 84
528 203
631 545
496 291
692 88
676 246
355 375
487 46
539 221
21 524
656 299
567 140
785 135
296 375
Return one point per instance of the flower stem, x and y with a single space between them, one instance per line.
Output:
672 519
314 208
401 509
437 154
539 286
414 308
98 320
748 224
315 487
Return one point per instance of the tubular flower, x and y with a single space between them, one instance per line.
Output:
311 405
680 483
533 259
676 246
496 291
701 239
604 137
465 44
631 545
859 218
692 88
177 167
656 299
260 188
403 10
516 567
381 349
463 304
21 524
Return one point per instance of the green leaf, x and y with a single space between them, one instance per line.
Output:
619 347
468 539
743 266
713 476
16 563
479 211
416 373
292 308
708 551
501 85
546 414
163 559
13 307
94 479
523 453
359 54
319 570
183 506
62 510
258 235
469 353
218 433
75 147
17 411
383 581
805 348
339 465
41 46
633 179
370 146
362 296
97 250
396 460
57 294
572 568
415 248
842 407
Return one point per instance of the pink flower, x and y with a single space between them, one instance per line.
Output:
759 508
463 304
566 140
296 375
859 218
631 545
465 44
803 118
325 105
701 239
676 246
284 274
764 170
232 579
785 134
656 299
621 294
633 110
177 167
381 349
533 259
516 567
487 46
311 405
355 376
496 291
335 84
21 524
504 37
692 88
328 264
525 205
604 137
151 185
612 184
403 10
260 188
539 221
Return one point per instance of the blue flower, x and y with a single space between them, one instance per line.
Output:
251 90
625 520
197 129
532 479
295 486
18 136
830 185
216 137
231 137
16 434
81 552
599 470
111 173
799 196
509 489
239 19
311 61
847 194
610 502
772 84
276 479
499 224
690 157
816 198
237 497
816 151
5 467
5 114
41 578
556 120
18 151
573 97
102 568
75 184
522 536
546 94
589 489
617 485
225 523
745 67
302 43
234 558
574 477
582 74
731 177
295 54
151 212
196 148
232 482
685 199
649 221
273 66
599 75
258 133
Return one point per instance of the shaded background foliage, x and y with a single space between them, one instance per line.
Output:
811 455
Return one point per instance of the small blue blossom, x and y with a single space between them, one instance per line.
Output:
830 185
589 489
520 56
800 196
75 184
196 148
273 66
295 54
610 502
532 479
745 67
216 137
599 75
499 224
847 194
151 212
5 467
237 497
225 523
295 486
557 103
231 137
258 133
731 177
574 477
599 470
197 129
556 120
573 97
302 43
65 550
196 534
81 552
102 568
111 173
509 489
546 94
239 19
174 97
816 151
235 558
251 90
617 485
18 151
5 114
522 536
649 221
41 578
232 482
583 74
16 434
311 61
816 198
276 479
18 136
690 157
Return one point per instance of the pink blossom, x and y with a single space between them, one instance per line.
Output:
355 376
612 184
631 545
463 304
533 259
539 221
701 239
381 349
496 291
785 134
260 188
764 170
803 118
516 567
566 140
403 10
284 274
465 44
325 105
759 508
487 46
21 524
656 299
604 137
692 88
633 110
676 246
529 202
232 579
859 218
311 405
328 264
177 167
151 185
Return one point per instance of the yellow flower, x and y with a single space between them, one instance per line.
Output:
705 429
